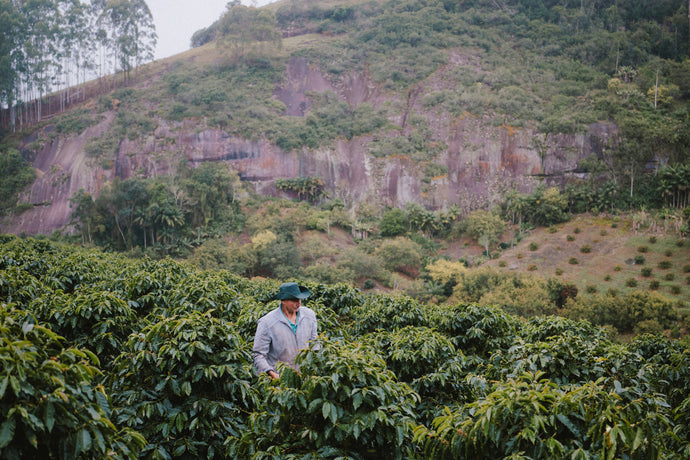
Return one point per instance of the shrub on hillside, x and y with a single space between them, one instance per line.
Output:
483 226
524 296
393 223
400 254
622 312
648 326
363 265
323 272
546 206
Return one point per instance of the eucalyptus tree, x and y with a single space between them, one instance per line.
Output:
125 27
39 51
75 42
12 32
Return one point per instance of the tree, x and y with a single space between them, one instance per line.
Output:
241 25
400 254
85 216
393 223
210 188
16 174
127 28
121 202
446 271
162 215
546 206
485 227
12 37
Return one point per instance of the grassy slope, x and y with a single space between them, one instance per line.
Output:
614 244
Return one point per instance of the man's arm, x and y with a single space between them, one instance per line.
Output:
262 345
314 330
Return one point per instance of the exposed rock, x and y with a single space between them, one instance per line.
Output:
482 160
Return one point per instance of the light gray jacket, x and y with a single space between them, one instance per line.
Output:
274 340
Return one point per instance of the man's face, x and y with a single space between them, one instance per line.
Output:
291 305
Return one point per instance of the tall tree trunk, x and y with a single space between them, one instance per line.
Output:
632 171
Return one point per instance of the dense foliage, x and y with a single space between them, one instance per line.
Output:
49 45
554 66
168 372
165 215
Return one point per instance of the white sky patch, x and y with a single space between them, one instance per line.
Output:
177 20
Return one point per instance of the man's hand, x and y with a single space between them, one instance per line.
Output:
274 375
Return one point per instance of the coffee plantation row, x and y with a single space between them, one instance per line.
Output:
108 357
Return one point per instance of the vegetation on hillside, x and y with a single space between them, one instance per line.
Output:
53 46
553 67
104 355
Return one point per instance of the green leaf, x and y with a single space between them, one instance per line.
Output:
313 405
163 453
639 436
7 432
568 424
326 409
49 416
334 415
3 385
84 440
357 399
618 387
102 400
187 388
14 383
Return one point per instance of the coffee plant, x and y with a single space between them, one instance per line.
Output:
104 356
51 403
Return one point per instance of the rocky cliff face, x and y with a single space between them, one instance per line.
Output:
481 160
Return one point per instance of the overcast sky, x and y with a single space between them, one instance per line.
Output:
177 20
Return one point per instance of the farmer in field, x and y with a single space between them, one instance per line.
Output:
284 331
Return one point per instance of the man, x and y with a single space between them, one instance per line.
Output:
284 331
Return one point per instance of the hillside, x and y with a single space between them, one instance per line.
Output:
369 142
387 103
